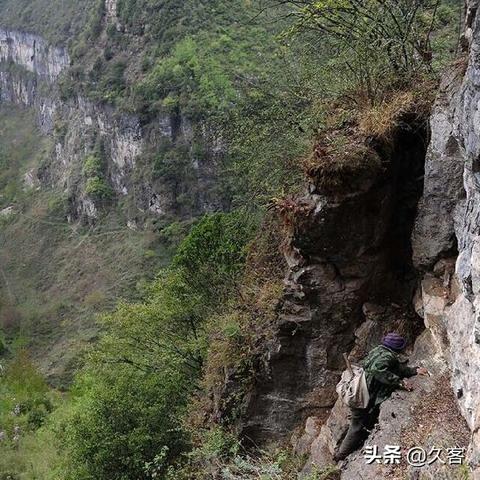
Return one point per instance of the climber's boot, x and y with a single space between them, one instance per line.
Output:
356 435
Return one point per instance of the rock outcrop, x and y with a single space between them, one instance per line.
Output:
456 146
33 53
346 249
444 161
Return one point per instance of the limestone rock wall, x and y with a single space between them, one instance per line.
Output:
33 53
453 163
29 71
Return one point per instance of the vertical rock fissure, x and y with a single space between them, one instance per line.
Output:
408 169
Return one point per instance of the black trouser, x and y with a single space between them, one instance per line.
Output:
361 421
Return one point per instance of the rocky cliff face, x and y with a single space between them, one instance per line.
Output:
453 171
29 67
33 53
346 288
29 72
349 256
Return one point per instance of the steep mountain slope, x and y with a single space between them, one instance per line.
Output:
57 275
120 161
115 128
57 21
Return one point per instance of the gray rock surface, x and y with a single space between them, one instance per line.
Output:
33 53
430 416
322 307
434 228
458 320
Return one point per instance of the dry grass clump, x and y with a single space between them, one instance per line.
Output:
290 209
342 162
381 120
349 150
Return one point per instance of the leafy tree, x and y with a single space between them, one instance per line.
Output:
397 26
381 42
92 166
98 188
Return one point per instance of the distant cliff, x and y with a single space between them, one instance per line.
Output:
95 176
30 70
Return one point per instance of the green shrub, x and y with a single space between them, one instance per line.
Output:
24 400
120 420
57 205
127 405
174 233
38 411
220 455
94 25
200 74
92 166
216 250
98 188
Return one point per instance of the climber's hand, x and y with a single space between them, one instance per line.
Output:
423 371
407 385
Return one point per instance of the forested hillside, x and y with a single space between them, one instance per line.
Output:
174 204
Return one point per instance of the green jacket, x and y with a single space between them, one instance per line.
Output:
384 373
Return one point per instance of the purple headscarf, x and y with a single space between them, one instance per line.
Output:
394 341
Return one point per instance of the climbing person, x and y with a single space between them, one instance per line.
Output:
384 373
